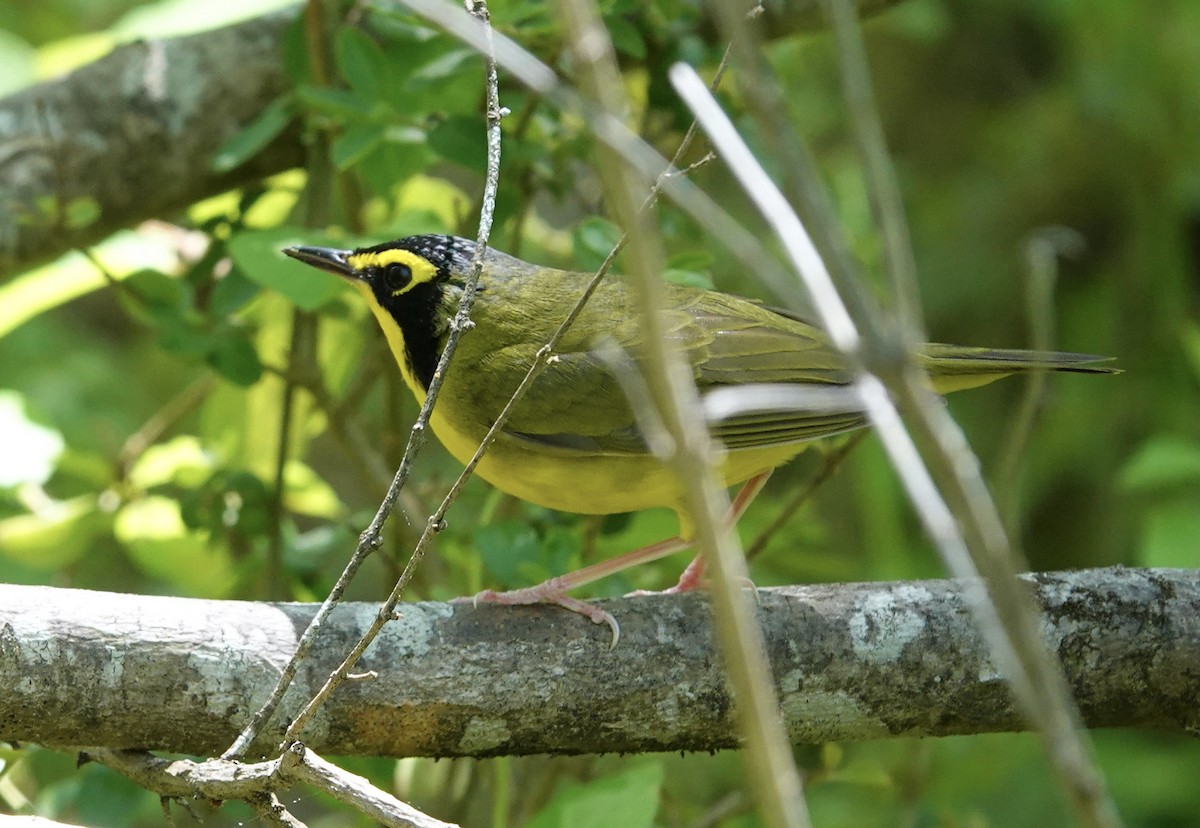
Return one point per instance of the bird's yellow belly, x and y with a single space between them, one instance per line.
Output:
597 484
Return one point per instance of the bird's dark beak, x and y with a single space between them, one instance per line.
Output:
325 258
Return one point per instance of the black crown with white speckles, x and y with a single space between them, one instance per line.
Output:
451 253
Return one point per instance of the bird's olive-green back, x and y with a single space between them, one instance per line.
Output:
578 404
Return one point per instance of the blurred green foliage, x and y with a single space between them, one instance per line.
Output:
143 444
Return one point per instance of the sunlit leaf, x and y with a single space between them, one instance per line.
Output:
157 540
182 460
72 276
1164 462
28 450
55 536
689 278
306 493
1171 536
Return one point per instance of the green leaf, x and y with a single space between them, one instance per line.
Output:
691 260
157 297
17 63
363 64
336 103
256 253
461 139
185 337
594 237
629 799
55 536
233 356
82 212
231 293
252 138
227 500
689 278
306 493
161 545
181 461
442 67
1163 462
355 143
510 550
390 163
1171 536
626 37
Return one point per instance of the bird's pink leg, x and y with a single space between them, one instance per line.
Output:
693 576
554 590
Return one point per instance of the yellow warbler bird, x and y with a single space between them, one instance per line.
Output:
574 443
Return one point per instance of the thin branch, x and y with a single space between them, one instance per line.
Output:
221 780
1042 252
676 403
163 420
883 191
370 539
830 462
963 522
540 78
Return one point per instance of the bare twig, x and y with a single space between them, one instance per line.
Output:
163 420
258 784
1042 251
370 539
883 191
273 812
963 523
610 131
830 462
772 773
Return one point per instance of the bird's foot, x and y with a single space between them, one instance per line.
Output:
548 592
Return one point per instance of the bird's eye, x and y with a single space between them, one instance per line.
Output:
396 277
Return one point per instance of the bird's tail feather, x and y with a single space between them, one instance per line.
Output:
955 367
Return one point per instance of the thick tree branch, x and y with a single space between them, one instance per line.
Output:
132 136
133 133
853 661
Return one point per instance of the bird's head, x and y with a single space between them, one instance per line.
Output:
412 285
396 274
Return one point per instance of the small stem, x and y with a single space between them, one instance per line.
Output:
883 191
829 464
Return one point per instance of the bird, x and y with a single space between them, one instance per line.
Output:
575 442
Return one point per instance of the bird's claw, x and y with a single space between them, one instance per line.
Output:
539 595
